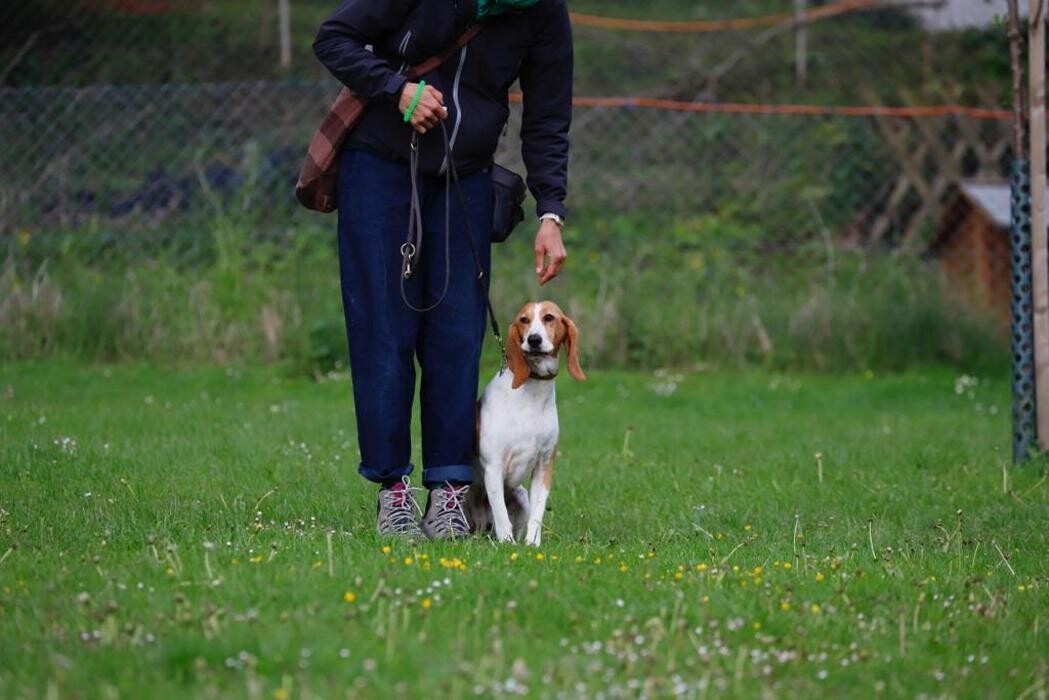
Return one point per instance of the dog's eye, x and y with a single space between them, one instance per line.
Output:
524 320
549 318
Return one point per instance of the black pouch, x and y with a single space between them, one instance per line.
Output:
509 193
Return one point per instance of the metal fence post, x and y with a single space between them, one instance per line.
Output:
1022 311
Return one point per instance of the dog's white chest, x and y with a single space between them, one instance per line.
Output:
519 427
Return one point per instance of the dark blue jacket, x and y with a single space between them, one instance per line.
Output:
533 45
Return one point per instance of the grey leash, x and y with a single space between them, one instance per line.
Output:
412 247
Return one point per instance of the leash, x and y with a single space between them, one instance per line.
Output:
412 247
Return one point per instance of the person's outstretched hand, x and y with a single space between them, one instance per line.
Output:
550 251
430 110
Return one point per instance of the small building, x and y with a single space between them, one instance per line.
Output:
971 246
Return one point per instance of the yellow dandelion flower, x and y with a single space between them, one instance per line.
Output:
735 568
349 597
256 559
540 556
578 559
702 566
706 599
756 625
623 567
553 557
597 560
747 527
1021 588
513 556
281 694
757 580
427 603
678 576
170 571
784 606
408 561
317 564
651 554
787 566
758 570
815 609
386 549
820 577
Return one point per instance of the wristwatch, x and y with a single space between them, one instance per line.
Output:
553 217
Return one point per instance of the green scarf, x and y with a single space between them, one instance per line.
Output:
491 8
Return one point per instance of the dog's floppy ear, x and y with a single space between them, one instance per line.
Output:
515 359
572 344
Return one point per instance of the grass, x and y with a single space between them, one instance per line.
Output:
695 291
201 532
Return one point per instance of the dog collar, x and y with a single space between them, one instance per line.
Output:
542 378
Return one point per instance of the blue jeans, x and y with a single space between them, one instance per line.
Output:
386 337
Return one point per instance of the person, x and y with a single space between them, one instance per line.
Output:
369 45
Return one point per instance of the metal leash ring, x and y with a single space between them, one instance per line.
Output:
407 253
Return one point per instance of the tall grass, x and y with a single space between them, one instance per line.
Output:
677 295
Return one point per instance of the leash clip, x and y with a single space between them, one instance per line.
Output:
407 254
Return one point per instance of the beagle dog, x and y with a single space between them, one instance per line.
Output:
517 429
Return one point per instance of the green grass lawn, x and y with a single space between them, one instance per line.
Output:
166 533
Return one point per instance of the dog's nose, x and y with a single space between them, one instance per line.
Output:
535 340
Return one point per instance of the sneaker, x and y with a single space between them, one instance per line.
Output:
398 511
445 513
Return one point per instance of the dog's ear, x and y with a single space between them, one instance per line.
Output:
515 359
572 345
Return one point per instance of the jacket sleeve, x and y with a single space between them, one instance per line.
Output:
546 83
342 38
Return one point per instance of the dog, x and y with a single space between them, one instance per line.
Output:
517 428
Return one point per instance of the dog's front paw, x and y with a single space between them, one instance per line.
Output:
533 537
504 536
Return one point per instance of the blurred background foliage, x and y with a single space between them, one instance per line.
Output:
150 146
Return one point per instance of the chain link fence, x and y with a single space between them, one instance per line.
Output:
93 142
134 156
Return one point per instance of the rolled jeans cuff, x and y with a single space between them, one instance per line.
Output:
435 476
385 476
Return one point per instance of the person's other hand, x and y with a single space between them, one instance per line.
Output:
548 245
430 109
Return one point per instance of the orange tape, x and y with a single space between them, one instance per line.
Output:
794 109
720 25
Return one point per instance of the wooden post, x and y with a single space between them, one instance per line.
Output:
1039 242
801 43
284 18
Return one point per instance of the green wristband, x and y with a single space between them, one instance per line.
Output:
415 101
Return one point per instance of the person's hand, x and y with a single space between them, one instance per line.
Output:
548 244
430 109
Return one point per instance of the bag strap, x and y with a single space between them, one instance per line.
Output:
435 62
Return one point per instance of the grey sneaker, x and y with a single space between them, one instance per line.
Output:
398 512
445 515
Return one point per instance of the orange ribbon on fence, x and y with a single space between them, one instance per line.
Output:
720 25
789 109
